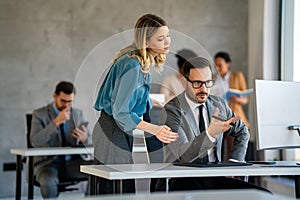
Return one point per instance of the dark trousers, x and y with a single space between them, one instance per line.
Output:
155 152
121 140
154 146
49 176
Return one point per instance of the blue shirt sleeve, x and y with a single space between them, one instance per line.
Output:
124 97
150 103
124 94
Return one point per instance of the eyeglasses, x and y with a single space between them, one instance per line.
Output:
63 101
198 84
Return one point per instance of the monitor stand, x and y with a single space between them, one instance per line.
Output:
295 127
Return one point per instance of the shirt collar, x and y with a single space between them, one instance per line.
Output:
226 77
192 104
55 108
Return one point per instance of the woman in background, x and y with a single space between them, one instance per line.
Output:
227 79
174 84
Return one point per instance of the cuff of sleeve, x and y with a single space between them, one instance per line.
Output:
150 103
130 124
211 138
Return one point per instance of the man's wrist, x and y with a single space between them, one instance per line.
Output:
211 138
56 123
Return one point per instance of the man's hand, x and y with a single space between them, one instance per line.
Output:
81 134
218 126
240 100
62 116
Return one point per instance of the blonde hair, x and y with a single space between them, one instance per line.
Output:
145 27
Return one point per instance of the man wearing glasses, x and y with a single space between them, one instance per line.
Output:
55 125
201 119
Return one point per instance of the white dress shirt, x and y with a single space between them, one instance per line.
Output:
195 109
221 85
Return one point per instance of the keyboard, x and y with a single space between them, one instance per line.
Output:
212 164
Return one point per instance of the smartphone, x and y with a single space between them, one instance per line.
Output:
83 123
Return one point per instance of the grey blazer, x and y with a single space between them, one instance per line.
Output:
192 144
45 134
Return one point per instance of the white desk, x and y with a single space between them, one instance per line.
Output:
31 152
164 170
52 151
203 195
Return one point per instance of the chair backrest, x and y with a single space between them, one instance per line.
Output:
64 184
28 129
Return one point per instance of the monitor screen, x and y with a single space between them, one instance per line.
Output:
277 107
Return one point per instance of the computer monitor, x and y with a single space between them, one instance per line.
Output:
277 108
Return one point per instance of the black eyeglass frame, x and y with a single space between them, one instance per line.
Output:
201 83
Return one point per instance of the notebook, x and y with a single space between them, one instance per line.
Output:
212 164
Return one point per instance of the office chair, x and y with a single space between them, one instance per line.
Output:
64 183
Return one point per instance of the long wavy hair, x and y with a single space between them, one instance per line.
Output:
145 27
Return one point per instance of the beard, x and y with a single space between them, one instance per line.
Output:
201 97
60 108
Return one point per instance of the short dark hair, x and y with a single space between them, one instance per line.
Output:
65 87
224 55
183 55
195 62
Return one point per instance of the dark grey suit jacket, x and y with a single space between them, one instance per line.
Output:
44 133
192 144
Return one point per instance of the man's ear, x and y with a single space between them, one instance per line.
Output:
54 95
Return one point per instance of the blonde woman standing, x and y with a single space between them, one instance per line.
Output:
124 97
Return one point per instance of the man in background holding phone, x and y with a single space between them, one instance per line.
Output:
56 125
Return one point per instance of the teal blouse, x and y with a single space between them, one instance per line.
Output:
124 93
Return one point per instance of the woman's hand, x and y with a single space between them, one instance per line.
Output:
166 135
163 133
